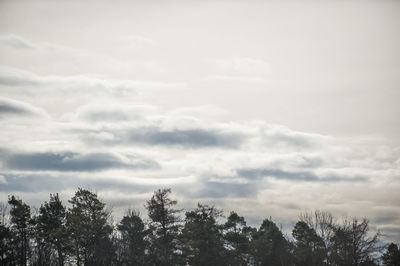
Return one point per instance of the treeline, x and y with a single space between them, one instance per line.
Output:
83 234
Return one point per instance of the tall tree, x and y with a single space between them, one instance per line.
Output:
88 224
6 237
7 254
202 237
51 228
20 214
164 224
269 246
324 224
237 239
391 256
309 249
133 238
351 244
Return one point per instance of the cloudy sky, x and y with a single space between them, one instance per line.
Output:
268 108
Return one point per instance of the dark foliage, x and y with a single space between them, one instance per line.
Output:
84 235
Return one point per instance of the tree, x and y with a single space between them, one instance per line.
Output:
309 249
51 228
87 222
133 238
7 256
323 224
391 256
237 239
20 214
269 247
164 225
202 237
351 244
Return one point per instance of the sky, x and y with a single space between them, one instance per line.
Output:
267 108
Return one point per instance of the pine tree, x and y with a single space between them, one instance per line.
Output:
269 246
391 256
88 225
309 247
202 237
133 239
164 224
21 225
51 228
237 239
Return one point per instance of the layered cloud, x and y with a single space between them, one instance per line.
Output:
74 162
97 132
10 107
119 149
16 77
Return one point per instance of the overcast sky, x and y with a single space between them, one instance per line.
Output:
268 108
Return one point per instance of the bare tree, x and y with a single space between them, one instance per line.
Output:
352 244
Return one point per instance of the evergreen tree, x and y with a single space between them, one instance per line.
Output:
309 247
237 239
87 223
164 225
133 239
51 229
7 255
391 256
21 224
202 237
269 246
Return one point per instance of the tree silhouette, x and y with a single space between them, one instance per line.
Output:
351 244
87 222
269 247
202 237
83 235
237 239
20 227
309 247
164 225
133 238
51 227
391 256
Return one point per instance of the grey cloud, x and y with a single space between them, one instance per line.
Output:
277 173
390 233
69 161
12 107
16 77
194 138
190 138
254 174
387 219
106 115
215 189
33 183
291 140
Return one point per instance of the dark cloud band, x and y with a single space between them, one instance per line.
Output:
74 162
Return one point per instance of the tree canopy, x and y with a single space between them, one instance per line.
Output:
83 233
